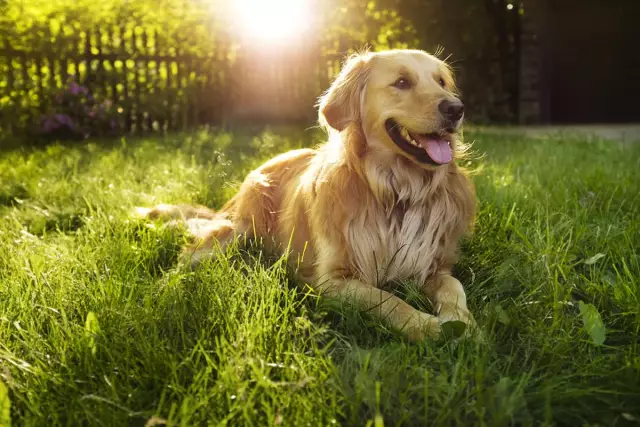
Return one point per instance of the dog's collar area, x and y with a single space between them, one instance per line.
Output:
430 148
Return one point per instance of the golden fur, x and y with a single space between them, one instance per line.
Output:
359 211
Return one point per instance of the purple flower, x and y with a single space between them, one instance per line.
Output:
76 89
49 124
64 120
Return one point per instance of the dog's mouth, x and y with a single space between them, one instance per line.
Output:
433 148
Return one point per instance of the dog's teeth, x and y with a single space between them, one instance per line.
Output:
407 136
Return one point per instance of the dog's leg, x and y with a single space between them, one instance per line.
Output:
210 231
415 324
449 300
176 212
211 238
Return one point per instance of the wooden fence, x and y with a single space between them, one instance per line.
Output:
142 81
148 85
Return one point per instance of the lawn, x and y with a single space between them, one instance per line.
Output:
98 326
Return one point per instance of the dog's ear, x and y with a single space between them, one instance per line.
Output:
340 105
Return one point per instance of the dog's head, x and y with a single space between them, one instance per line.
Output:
404 101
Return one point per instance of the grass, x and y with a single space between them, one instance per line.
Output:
99 327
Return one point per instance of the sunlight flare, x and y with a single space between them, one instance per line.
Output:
273 21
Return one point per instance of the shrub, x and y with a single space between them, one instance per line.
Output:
76 113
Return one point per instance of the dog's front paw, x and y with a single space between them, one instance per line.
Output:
423 326
161 212
140 212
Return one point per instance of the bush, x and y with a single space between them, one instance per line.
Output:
76 113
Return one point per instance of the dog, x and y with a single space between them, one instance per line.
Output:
383 199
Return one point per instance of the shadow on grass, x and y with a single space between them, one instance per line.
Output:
13 194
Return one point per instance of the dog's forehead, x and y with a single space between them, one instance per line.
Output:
416 62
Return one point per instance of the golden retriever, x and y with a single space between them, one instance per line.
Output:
383 199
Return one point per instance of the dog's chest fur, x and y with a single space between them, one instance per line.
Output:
405 232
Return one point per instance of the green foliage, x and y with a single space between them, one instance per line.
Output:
503 317
5 406
45 42
99 325
91 329
355 24
592 322
42 25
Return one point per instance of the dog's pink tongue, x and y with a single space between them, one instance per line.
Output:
438 149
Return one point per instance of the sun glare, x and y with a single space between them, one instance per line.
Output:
273 21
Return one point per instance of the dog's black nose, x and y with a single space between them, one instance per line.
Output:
451 110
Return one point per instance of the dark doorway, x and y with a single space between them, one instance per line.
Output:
593 61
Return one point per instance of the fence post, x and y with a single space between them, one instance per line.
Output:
8 54
88 77
50 56
64 64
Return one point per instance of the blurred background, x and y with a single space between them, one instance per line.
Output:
74 68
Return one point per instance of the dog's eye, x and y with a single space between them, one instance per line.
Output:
442 82
402 83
